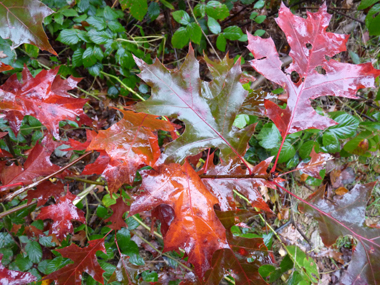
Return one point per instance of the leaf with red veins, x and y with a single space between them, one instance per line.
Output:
45 191
37 164
21 22
208 109
117 217
309 43
62 214
196 227
222 188
349 213
44 97
12 277
84 261
315 165
130 144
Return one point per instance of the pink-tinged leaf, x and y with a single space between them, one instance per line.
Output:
11 277
119 210
310 44
195 227
208 109
315 165
222 188
62 214
21 22
38 164
45 191
130 144
349 214
84 261
44 97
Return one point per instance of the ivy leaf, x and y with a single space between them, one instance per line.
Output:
21 22
310 44
208 116
349 214
181 188
62 213
117 217
11 277
84 261
130 144
37 164
44 97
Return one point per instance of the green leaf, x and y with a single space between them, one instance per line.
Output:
99 38
181 17
287 152
306 148
77 58
95 69
221 43
98 53
269 136
68 37
372 20
260 19
242 120
108 200
217 10
137 8
150 276
34 251
116 27
195 32
200 10
366 3
68 12
7 255
331 142
180 38
346 127
359 145
124 58
167 4
259 33
98 23
32 50
22 263
213 25
269 272
259 4
110 14
233 33
46 241
88 57
253 15
153 11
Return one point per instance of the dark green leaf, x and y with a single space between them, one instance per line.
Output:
77 58
213 25
221 43
89 58
233 33
194 32
34 251
217 10
180 38
181 17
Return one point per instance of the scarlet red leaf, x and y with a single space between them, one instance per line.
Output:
11 277
62 213
84 261
44 97
117 217
38 164
349 214
208 109
195 227
21 22
130 145
44 191
310 44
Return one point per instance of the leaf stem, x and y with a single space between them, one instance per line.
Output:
15 209
86 180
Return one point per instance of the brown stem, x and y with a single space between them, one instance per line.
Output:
15 209
23 189
86 180
345 15
233 176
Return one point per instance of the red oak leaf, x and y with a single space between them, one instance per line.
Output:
117 217
345 215
38 164
62 213
315 165
196 227
44 97
84 261
208 109
45 191
223 187
310 45
130 145
11 277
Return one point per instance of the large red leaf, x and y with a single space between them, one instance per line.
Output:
310 45
38 164
208 109
130 144
195 227
348 211
21 22
44 97
11 277
84 261
62 213
45 191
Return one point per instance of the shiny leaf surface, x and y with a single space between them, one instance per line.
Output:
11 277
316 163
44 191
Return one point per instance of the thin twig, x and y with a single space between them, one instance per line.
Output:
345 15
16 209
86 180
